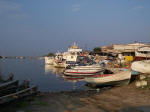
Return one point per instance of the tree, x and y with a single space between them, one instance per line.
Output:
51 54
97 49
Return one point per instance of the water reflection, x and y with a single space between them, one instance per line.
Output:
46 77
73 78
48 68
74 81
51 69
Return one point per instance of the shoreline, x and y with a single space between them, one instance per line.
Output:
117 99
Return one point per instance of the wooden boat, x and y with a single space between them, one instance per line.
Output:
79 72
110 79
8 84
89 67
8 87
141 66
18 94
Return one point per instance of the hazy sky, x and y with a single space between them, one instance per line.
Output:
36 27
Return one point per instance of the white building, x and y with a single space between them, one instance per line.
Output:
143 52
128 47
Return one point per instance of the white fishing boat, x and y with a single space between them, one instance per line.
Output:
75 72
89 67
51 69
49 60
72 54
110 79
60 64
141 66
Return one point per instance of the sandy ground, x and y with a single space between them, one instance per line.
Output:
117 99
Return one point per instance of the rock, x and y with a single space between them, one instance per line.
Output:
142 77
141 83
144 83
138 84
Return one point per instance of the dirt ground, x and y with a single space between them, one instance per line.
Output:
117 99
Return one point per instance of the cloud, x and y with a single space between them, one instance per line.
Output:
76 7
138 7
10 9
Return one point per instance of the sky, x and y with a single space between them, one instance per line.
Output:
37 27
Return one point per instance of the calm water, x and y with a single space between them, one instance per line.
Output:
46 77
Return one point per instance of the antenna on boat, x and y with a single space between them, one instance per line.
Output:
0 70
74 43
85 47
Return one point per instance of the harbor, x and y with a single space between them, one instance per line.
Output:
74 56
82 75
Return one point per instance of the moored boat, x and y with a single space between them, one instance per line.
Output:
60 64
79 72
89 67
110 79
49 60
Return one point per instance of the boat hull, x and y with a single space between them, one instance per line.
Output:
141 66
139 58
17 95
90 67
8 87
111 83
79 72
60 64
109 78
142 56
49 60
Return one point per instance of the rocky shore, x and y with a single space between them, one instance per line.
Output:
117 99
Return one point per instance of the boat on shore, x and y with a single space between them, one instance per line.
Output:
18 94
8 87
141 66
110 79
12 91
